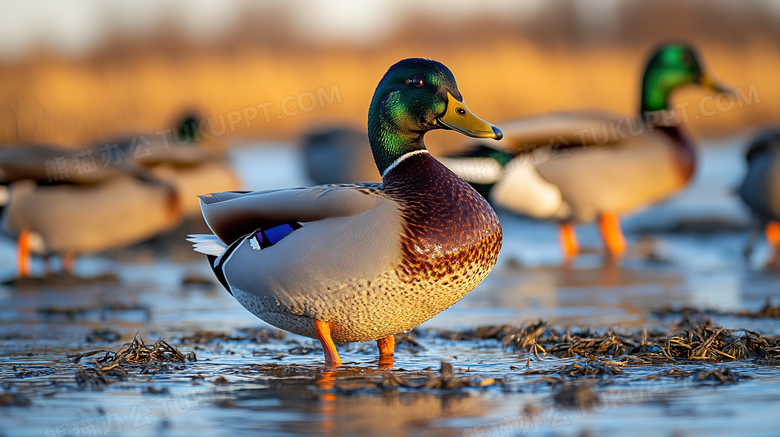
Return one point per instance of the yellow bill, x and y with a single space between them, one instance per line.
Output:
709 83
460 119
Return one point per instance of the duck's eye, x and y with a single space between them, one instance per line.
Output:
417 81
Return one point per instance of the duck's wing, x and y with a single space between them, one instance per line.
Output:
576 158
565 129
231 215
52 165
484 161
36 162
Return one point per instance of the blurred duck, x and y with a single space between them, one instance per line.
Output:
582 166
761 187
52 207
336 155
371 259
186 159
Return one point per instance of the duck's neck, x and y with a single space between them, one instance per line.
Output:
389 139
655 96
389 147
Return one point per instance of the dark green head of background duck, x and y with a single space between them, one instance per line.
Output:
671 67
188 126
414 97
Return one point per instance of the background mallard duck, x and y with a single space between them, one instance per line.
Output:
761 187
193 163
582 166
338 154
85 211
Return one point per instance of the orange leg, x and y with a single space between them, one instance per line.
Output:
323 332
772 232
569 241
386 349
23 253
613 235
386 345
68 262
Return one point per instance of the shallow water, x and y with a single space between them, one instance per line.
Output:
703 270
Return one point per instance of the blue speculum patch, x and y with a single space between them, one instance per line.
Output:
277 233
269 237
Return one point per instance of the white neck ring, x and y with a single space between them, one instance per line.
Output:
400 160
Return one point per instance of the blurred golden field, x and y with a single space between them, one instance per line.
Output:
502 71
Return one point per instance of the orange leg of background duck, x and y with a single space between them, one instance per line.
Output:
772 232
613 235
68 262
23 253
323 332
569 243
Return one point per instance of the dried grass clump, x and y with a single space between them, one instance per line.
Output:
691 341
152 359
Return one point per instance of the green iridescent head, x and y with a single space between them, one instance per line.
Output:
414 97
671 67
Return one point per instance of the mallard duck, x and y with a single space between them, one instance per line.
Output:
79 212
582 166
185 158
761 187
338 154
361 262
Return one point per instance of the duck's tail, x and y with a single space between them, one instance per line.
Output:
213 248
207 244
